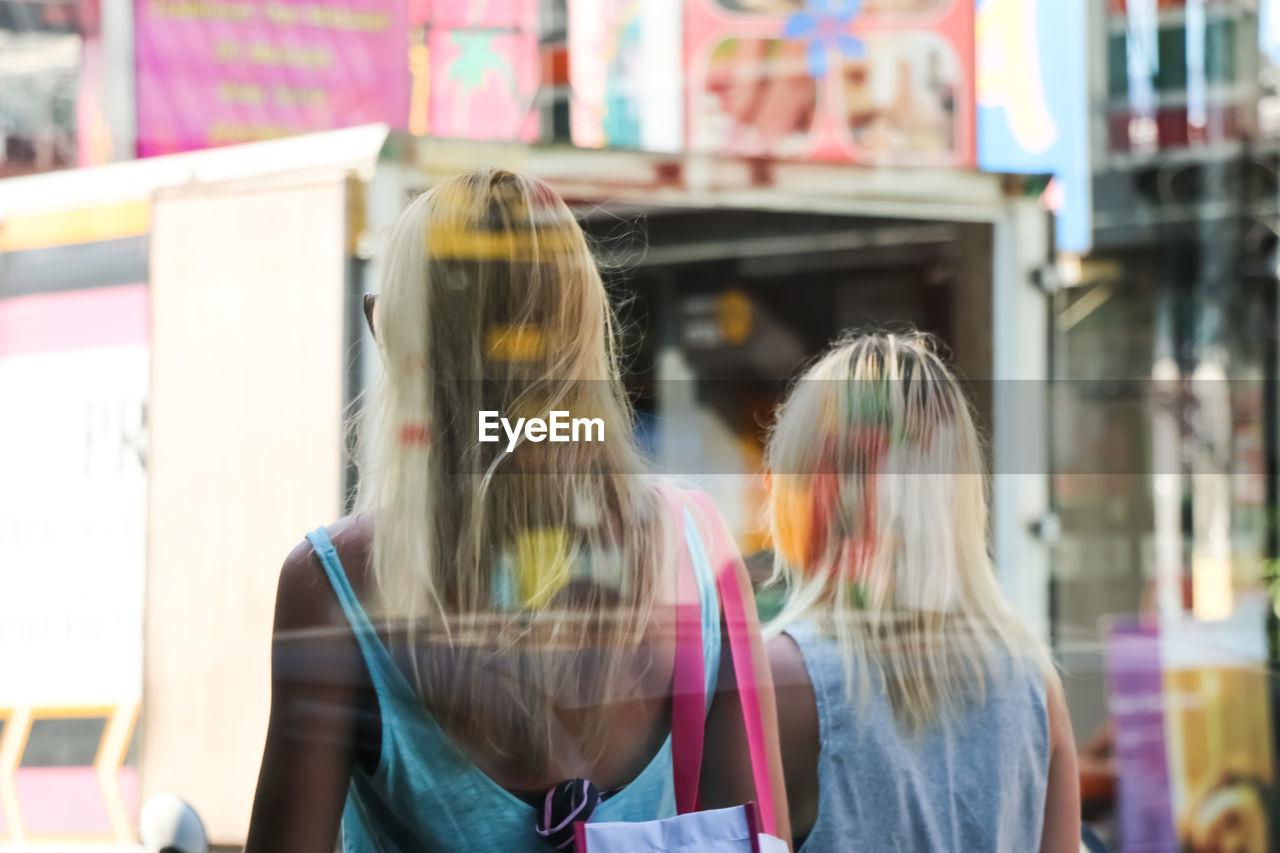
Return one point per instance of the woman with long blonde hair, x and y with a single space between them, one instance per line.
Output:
916 710
488 643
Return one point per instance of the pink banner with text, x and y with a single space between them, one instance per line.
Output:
216 72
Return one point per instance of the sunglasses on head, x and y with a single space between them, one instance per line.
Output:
370 304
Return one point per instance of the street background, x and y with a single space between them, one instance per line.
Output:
1082 199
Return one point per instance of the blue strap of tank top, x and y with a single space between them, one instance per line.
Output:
710 604
375 653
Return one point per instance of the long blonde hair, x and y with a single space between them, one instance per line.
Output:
532 575
878 512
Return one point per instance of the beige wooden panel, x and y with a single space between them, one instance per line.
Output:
245 421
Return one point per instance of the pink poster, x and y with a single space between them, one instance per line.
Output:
483 84
215 72
483 60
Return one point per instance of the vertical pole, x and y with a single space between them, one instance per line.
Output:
1020 463
119 96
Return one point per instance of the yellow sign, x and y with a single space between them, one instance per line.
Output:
735 317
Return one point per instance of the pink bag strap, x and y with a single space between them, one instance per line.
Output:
741 623
689 685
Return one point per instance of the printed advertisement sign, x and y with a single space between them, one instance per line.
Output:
1135 703
1189 704
482 57
1218 726
72 560
1032 103
625 72
215 72
868 81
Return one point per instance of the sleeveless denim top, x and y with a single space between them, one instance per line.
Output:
426 795
974 782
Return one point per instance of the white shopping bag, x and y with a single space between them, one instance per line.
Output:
732 830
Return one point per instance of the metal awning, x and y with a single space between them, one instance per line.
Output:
688 180
715 181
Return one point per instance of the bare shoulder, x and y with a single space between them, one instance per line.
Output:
304 595
797 702
1055 697
798 734
1060 732
786 662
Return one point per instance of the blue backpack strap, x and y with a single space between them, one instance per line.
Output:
381 665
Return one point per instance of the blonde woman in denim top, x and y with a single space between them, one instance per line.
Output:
494 629
917 712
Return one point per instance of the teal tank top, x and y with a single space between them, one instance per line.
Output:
972 782
426 795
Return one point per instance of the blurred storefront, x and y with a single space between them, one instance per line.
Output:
74 368
746 270
41 47
1163 368
66 84
141 367
758 176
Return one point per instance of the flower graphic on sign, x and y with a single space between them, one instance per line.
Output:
479 96
823 24
476 58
